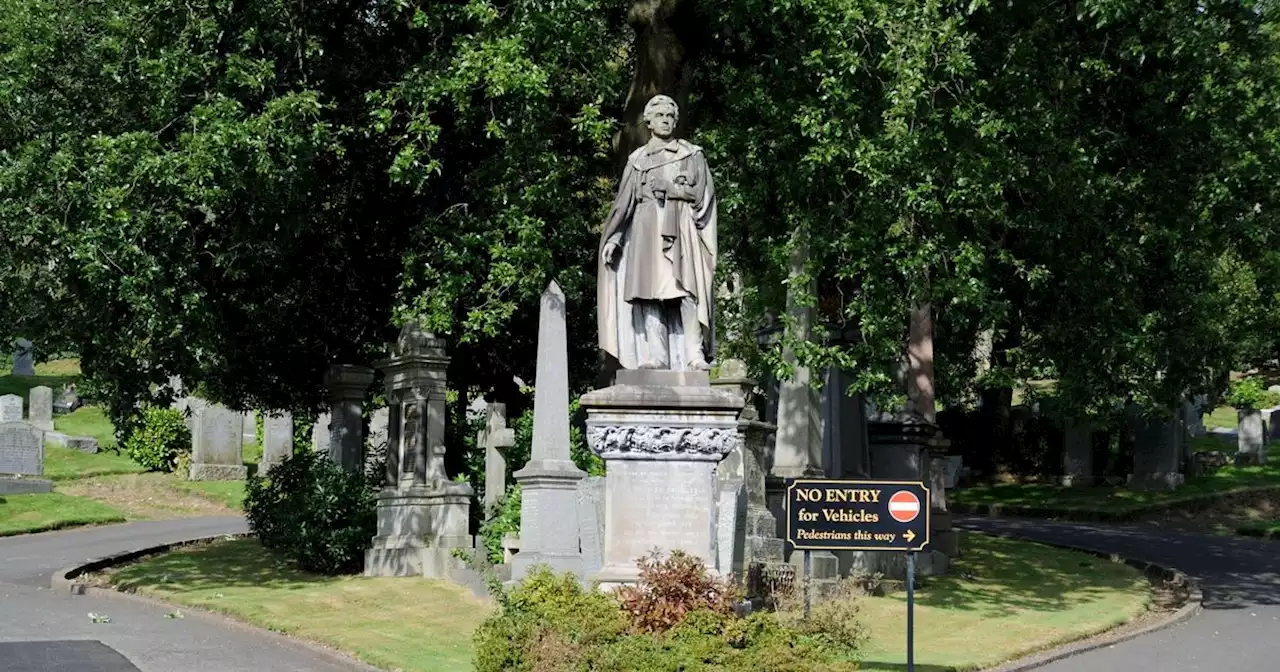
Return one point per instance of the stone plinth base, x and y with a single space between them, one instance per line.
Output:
660 444
24 486
418 528
549 517
218 472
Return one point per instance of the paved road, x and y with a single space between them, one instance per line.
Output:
47 631
1237 631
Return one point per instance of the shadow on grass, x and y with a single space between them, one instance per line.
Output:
1234 572
222 564
1000 577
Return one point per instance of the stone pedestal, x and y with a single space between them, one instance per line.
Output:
347 385
661 435
418 528
422 516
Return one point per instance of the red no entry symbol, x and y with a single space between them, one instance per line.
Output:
904 506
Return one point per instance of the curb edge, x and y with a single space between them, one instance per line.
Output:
1192 606
65 580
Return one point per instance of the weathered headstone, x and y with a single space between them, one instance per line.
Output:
277 439
495 438
250 432
320 434
1251 442
40 407
84 444
216 444
549 481
347 385
591 523
68 400
24 363
731 528
1077 456
1157 452
10 408
21 449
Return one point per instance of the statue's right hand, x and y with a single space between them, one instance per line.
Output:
611 253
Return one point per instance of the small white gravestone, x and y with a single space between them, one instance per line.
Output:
10 408
40 407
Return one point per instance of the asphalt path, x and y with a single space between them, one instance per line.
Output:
48 631
1237 631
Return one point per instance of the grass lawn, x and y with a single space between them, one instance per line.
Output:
410 624
62 464
1039 498
156 496
20 514
50 374
1023 598
226 493
1260 528
87 421
1222 416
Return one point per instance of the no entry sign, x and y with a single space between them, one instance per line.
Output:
848 515
904 506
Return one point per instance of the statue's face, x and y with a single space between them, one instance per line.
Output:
662 121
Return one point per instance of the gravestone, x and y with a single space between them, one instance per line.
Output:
10 408
277 439
1157 452
591 524
84 444
549 481
24 363
347 385
40 407
1193 416
378 423
320 434
68 400
1251 441
951 466
217 444
1077 456
21 449
731 529
496 438
250 432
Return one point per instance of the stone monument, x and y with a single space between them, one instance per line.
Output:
495 438
549 481
422 515
347 384
277 439
40 407
22 459
661 427
217 444
24 363
10 408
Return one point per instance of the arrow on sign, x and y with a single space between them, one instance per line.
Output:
909 536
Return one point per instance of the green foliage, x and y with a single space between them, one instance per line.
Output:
319 516
505 521
549 622
159 439
1250 394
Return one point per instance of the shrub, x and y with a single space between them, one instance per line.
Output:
671 588
319 516
835 619
158 439
1249 394
505 521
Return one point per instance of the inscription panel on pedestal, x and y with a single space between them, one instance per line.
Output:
668 505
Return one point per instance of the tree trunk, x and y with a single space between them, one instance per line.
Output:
664 32
920 362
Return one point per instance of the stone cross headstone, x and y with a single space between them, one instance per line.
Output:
10 408
23 358
277 439
21 449
495 438
40 407
548 520
216 444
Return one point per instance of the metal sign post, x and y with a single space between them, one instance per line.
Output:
853 515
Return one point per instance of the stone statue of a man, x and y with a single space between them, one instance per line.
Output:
658 253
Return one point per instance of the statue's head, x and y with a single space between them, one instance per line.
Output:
661 115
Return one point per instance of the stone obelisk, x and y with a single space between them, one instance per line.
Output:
548 519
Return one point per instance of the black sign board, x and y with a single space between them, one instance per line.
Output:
848 515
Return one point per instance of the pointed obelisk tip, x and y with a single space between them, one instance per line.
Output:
553 289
